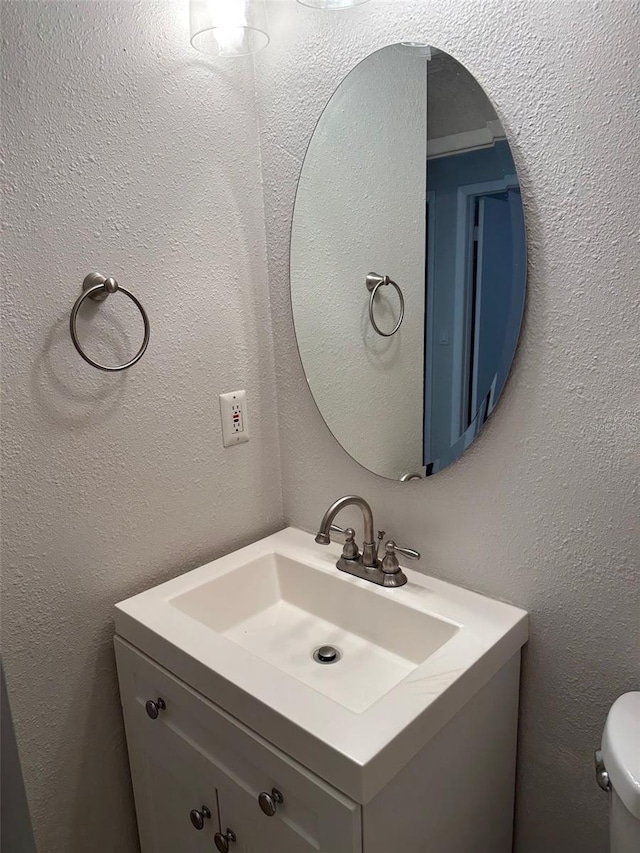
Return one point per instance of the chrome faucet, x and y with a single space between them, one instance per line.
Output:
367 564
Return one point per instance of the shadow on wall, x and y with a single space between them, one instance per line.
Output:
16 834
90 396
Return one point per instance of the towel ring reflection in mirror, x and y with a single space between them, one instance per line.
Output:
375 281
97 287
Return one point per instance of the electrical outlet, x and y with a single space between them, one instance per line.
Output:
233 414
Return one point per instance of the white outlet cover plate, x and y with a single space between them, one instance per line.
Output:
233 414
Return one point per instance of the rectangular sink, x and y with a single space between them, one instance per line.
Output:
242 630
282 611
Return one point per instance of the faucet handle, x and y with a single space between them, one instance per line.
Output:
390 564
350 550
407 552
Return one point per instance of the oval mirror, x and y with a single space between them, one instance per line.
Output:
408 261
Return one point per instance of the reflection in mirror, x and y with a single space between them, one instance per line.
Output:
408 261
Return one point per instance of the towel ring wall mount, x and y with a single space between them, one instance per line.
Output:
98 287
374 282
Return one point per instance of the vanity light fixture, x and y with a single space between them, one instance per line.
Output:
332 4
228 27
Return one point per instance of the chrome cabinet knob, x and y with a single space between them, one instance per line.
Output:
154 708
223 841
270 802
198 817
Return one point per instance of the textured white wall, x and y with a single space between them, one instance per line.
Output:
125 152
366 177
543 510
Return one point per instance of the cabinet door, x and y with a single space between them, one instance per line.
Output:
171 777
281 833
166 793
312 817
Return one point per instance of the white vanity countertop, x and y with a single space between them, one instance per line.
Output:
357 751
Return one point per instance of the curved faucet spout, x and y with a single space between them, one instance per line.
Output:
369 556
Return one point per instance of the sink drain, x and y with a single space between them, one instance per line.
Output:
327 654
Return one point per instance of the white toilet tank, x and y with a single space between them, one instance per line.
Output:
621 759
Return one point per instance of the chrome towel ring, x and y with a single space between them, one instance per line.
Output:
374 281
97 287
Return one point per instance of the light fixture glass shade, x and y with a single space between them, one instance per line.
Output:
332 4
228 27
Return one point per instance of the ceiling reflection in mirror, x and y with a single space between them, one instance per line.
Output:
408 261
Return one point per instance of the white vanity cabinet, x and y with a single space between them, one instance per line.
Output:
406 745
454 796
193 755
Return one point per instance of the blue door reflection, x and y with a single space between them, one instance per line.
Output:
475 274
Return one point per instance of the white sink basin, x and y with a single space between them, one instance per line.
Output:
283 610
242 631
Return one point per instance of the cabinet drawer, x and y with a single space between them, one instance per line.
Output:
314 815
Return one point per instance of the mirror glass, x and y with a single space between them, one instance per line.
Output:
408 261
